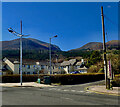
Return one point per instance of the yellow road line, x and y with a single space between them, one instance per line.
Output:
87 89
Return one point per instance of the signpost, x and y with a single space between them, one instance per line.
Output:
110 72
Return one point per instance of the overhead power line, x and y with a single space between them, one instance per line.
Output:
110 20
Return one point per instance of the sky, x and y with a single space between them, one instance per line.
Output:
75 23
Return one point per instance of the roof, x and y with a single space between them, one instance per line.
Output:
11 60
84 68
64 63
31 62
70 62
2 63
78 63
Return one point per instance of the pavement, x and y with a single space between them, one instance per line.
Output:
25 84
100 89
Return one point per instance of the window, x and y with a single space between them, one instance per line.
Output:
53 67
23 65
23 73
34 73
28 72
42 66
28 66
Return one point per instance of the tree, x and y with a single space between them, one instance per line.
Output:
94 58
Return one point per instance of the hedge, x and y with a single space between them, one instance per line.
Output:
116 81
60 78
16 78
76 78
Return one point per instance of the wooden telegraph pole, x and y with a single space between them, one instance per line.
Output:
104 49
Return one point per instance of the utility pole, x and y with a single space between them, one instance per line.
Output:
19 35
104 49
50 53
50 56
21 54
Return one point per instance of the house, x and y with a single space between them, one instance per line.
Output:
3 69
73 65
45 68
29 67
14 66
79 64
32 67
83 69
68 66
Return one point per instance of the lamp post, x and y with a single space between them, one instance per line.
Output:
37 63
19 35
50 52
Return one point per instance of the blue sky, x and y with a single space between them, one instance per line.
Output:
75 23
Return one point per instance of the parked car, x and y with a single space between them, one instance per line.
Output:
74 72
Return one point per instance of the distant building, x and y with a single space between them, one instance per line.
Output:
10 66
30 67
72 65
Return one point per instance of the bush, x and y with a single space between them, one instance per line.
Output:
115 83
60 78
76 78
101 70
16 78
93 69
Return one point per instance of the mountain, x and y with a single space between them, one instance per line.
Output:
113 44
28 44
34 44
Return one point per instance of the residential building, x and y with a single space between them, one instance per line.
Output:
29 67
73 65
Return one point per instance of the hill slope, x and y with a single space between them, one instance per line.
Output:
113 44
28 44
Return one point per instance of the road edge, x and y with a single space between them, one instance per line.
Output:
105 93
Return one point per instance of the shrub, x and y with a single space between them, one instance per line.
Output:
76 78
115 83
101 70
16 78
60 78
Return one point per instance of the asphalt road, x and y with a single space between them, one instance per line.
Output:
59 95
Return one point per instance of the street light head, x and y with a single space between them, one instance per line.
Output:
55 36
10 30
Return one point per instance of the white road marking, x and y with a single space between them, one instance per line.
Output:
80 91
59 89
73 90
65 90
66 98
69 90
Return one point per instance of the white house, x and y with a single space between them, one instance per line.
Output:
14 66
73 65
68 66
30 67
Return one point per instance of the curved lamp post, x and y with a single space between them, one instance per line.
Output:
19 35
50 52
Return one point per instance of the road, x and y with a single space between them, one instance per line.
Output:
59 95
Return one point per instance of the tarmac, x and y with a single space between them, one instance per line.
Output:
100 89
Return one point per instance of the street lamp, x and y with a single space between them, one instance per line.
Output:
19 35
50 52
37 63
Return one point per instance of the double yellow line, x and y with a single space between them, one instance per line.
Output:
87 89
